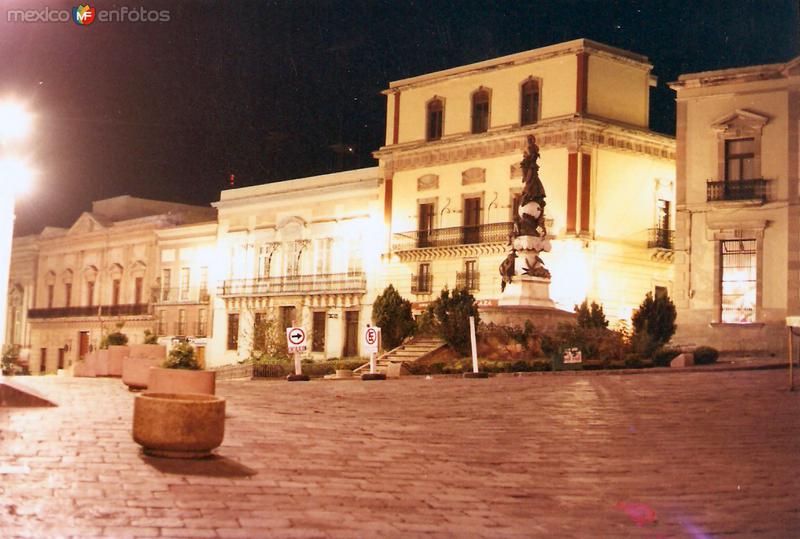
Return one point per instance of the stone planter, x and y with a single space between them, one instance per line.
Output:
116 355
181 381
178 426
83 369
156 351
344 373
100 362
136 371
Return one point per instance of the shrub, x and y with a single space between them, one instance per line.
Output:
655 319
594 343
150 337
510 342
449 315
182 357
9 360
273 339
705 355
392 314
664 356
590 316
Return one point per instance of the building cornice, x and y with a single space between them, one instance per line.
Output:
573 133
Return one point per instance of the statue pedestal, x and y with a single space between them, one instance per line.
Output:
525 291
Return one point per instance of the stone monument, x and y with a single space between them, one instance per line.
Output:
525 280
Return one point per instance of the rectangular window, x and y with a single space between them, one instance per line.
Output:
264 260
293 251
738 286
480 111
138 287
318 336
67 294
435 119
516 198
115 286
204 283
161 328
233 331
323 255
472 220
529 103
260 331
425 224
181 322
663 217
740 159
202 322
166 276
471 274
287 317
421 283
185 277
50 293
90 293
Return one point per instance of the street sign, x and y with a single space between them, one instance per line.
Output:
296 339
371 339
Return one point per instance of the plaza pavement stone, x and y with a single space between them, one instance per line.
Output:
697 455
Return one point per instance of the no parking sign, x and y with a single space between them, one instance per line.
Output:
371 339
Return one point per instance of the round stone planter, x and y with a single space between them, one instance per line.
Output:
116 357
158 351
344 373
136 371
181 381
178 426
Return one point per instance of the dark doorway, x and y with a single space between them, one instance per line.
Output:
61 358
350 334
472 220
43 364
425 225
318 335
83 344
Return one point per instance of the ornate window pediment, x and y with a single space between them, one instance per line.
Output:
473 175
740 123
428 181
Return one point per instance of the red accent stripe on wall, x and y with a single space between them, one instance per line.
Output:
396 134
572 191
581 93
586 191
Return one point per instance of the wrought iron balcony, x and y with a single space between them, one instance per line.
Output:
469 280
452 236
354 281
180 295
129 309
737 190
422 284
661 238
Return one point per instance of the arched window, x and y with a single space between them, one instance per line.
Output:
480 111
435 119
529 103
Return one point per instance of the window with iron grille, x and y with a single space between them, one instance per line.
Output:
738 281
233 331
181 322
202 322
185 278
480 111
471 274
165 283
529 103
115 288
740 159
161 327
435 114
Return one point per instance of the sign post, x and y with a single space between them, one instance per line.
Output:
370 340
296 343
475 373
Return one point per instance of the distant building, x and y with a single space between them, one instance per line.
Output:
95 275
454 142
303 252
737 264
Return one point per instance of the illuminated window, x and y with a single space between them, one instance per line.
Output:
165 282
435 115
740 159
738 276
233 331
529 103
185 277
480 111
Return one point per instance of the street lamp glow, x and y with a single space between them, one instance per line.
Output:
16 177
15 121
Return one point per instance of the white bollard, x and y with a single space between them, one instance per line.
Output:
372 363
474 346
298 369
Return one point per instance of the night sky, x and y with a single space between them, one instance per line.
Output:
268 90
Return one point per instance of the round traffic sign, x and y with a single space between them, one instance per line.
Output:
297 336
371 336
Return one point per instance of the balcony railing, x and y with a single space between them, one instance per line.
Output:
294 284
421 284
469 280
661 238
180 295
448 237
737 190
130 309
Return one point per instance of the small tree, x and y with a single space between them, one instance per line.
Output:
653 323
268 340
115 338
150 337
590 316
449 315
182 357
392 314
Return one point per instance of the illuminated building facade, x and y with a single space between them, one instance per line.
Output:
181 297
737 269
302 252
454 142
96 274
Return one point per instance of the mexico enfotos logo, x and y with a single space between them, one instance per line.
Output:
85 15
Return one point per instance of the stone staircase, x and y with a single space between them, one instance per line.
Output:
416 349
